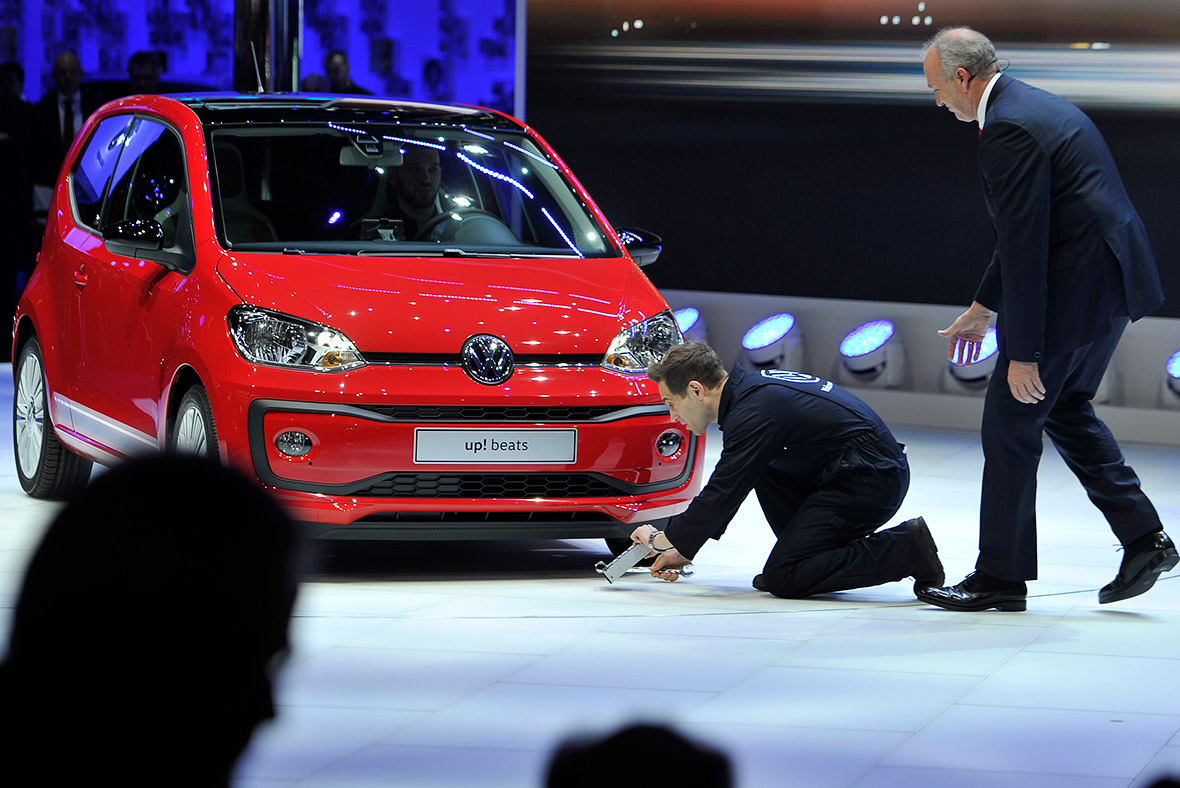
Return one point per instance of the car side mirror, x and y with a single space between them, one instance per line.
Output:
143 239
131 234
644 246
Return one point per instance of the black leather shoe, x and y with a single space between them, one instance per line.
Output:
978 591
758 584
1144 560
928 573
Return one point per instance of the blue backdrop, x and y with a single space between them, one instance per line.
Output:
444 50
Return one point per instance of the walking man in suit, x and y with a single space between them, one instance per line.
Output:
1072 267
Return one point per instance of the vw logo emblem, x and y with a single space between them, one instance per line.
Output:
486 359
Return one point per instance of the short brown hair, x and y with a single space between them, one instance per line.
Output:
690 361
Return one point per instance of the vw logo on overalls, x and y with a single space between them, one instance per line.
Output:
486 359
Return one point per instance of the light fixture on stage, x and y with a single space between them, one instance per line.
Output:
692 324
1171 386
774 342
872 355
972 378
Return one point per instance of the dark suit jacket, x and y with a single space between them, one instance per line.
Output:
1071 253
46 146
15 186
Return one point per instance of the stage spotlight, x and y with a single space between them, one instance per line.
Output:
692 324
872 355
972 378
774 342
1170 395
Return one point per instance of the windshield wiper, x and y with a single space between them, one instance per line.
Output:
465 253
431 253
450 252
522 255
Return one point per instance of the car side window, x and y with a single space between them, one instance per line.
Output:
150 183
94 167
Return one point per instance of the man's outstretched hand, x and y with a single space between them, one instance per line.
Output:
967 333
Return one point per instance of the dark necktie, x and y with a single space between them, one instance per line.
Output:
67 126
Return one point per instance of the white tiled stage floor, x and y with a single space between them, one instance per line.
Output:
465 664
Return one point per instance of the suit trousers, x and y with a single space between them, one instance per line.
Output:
1012 444
826 540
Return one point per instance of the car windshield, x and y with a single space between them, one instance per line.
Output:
396 189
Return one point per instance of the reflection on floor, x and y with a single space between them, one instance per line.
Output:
431 665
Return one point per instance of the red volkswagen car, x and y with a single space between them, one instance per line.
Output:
406 320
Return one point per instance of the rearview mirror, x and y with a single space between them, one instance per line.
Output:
370 152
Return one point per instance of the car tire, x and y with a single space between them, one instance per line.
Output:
193 429
45 468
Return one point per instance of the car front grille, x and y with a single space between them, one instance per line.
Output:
519 360
490 518
487 485
455 413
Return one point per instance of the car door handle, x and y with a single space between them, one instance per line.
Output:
80 276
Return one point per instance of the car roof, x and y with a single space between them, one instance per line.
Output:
231 108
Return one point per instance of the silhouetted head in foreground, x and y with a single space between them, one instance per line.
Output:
148 627
631 758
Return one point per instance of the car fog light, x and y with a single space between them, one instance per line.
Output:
668 445
293 444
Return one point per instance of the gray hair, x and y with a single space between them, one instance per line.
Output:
962 47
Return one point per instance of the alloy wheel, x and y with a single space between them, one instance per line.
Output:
191 437
29 412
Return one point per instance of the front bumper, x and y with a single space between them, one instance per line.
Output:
361 478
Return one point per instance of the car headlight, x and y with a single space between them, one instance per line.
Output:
265 337
643 344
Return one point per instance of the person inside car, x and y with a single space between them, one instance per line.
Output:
415 186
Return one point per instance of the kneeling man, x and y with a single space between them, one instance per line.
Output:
827 471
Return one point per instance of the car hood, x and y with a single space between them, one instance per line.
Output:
432 305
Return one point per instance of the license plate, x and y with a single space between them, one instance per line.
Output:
494 447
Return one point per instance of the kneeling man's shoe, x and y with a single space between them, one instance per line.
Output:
979 591
1144 560
758 583
928 573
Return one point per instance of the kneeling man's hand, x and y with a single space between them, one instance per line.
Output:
665 561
